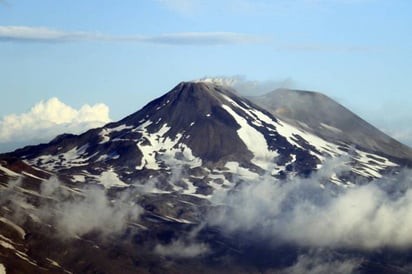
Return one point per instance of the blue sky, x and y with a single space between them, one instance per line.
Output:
124 53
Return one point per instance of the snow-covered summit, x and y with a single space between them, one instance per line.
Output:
207 128
159 175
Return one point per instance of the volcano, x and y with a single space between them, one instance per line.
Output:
137 195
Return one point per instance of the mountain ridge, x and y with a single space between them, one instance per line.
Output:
194 181
316 112
206 126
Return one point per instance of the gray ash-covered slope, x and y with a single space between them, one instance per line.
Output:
319 114
211 134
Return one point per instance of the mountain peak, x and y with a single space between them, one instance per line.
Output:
201 88
321 115
198 87
200 168
221 81
206 125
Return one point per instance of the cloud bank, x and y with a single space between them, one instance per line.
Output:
39 34
321 262
368 216
74 213
91 211
48 119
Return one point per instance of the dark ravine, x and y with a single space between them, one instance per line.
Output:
159 171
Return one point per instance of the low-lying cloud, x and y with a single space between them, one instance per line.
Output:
47 35
93 210
180 249
321 262
74 213
367 216
46 120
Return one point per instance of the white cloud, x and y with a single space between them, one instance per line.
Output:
203 38
38 34
23 33
247 87
74 214
321 262
368 216
92 211
48 119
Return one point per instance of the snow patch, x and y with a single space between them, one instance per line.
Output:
33 176
158 148
242 172
9 172
79 178
324 147
331 128
2 269
17 228
254 140
54 263
105 132
6 245
110 179
76 157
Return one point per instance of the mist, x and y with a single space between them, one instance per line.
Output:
182 249
253 88
370 215
323 261
246 87
74 213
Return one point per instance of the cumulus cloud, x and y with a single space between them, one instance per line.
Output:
47 119
370 215
47 35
